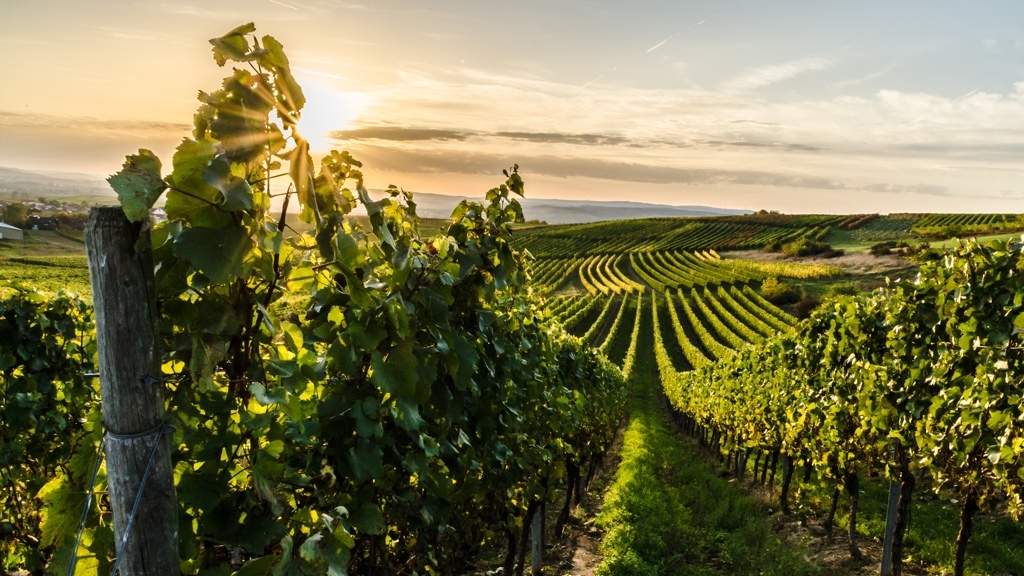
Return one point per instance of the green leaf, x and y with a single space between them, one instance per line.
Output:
398 374
310 549
220 254
368 519
287 544
235 46
237 192
290 96
138 184
258 566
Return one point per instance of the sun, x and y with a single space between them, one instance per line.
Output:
327 110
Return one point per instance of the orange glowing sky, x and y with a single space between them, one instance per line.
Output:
803 107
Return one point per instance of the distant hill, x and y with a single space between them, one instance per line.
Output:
554 211
30 185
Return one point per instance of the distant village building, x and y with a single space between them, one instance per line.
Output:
8 232
41 223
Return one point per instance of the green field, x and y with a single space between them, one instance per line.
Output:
45 261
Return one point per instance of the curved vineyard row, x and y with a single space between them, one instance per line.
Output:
671 234
717 322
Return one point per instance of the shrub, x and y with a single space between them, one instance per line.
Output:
805 247
804 307
780 293
842 289
883 248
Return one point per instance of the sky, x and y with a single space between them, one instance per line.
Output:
792 105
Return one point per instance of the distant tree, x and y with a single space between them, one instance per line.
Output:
15 214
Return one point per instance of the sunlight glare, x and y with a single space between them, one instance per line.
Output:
327 110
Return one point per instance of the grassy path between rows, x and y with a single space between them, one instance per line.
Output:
668 513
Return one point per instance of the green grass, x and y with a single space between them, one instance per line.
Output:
41 244
844 240
47 261
48 274
668 512
996 547
983 239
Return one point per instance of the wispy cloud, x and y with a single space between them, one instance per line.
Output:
319 73
282 4
591 82
399 134
865 78
23 119
662 43
414 134
760 76
482 163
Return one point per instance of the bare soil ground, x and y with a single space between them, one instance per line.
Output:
579 555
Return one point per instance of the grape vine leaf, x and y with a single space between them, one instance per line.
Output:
234 46
138 184
215 252
237 192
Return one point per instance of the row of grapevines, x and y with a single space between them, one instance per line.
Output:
592 285
761 270
752 317
651 277
46 347
605 345
602 275
731 338
569 306
630 359
707 340
628 284
715 263
709 273
587 305
553 305
551 273
694 355
668 267
599 321
921 379
745 325
757 300
408 407
758 306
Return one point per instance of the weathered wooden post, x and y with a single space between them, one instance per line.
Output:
138 452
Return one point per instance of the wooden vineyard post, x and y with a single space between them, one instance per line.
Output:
132 395
537 541
890 528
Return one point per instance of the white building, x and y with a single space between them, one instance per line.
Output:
8 232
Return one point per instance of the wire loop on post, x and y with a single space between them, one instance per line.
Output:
159 429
